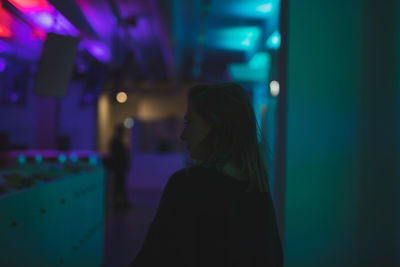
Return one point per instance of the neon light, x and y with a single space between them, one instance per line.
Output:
5 32
274 40
38 158
73 157
255 71
92 160
62 158
234 38
98 50
259 60
45 16
21 159
265 8
44 19
31 5
39 34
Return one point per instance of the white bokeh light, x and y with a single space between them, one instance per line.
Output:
274 88
129 122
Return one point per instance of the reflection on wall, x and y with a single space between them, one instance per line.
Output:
159 136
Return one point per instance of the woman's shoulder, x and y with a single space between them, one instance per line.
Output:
206 178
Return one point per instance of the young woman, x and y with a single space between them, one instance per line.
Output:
218 212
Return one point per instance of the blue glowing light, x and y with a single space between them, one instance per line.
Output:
73 157
234 38
244 8
62 158
256 70
265 8
92 159
38 158
274 40
21 159
259 60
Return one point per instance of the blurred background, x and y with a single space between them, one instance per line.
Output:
322 77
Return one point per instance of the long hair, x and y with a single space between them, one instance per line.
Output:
234 130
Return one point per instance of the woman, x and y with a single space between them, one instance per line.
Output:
218 212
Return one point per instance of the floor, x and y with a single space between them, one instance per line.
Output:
125 230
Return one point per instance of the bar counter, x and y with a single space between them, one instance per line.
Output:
51 214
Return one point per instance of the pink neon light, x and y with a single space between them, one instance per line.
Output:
5 32
31 5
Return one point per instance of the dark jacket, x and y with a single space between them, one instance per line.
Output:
118 155
206 218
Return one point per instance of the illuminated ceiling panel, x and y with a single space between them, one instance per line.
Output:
234 38
44 16
245 8
257 70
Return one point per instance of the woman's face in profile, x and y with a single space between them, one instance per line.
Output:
195 131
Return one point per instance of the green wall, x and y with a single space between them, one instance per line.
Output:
322 132
342 166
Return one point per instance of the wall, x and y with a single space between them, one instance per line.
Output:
20 121
323 112
78 121
342 188
25 123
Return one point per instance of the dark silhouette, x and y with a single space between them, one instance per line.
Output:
118 164
218 212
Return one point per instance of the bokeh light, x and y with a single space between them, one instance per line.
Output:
129 122
274 88
122 97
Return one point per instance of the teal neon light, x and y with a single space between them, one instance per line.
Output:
38 158
234 38
245 8
265 8
62 158
256 70
259 60
92 160
274 40
21 159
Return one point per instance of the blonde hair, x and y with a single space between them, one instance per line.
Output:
234 130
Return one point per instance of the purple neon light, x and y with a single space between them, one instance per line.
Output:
48 18
44 19
98 50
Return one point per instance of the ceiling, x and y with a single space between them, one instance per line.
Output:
151 40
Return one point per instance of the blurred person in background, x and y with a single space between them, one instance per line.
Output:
118 164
